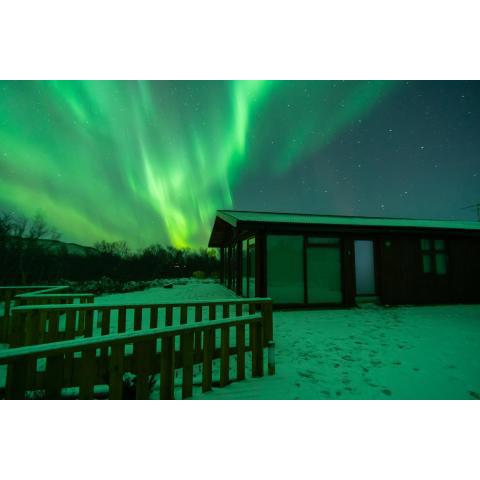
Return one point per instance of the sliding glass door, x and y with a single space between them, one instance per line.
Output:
324 278
285 268
303 269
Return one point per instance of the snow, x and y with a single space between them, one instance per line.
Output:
184 290
372 352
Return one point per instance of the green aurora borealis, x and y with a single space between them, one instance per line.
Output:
150 162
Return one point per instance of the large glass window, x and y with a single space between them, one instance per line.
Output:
434 256
244 268
251 267
285 268
324 271
233 267
248 267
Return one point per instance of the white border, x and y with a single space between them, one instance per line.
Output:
248 39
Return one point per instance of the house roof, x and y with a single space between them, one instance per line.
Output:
234 217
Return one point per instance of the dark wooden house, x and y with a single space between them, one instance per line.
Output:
303 260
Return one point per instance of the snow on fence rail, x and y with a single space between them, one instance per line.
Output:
34 295
90 361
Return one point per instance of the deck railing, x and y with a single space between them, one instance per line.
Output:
90 361
34 324
34 295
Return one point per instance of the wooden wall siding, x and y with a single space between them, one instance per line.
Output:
397 258
222 266
74 363
403 281
348 271
464 264
238 287
260 264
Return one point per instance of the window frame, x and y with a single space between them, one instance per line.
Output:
246 270
432 252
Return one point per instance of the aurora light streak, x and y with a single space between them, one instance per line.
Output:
150 162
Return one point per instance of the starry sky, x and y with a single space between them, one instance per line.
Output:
150 162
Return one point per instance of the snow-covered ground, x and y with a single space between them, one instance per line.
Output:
362 353
184 289
371 353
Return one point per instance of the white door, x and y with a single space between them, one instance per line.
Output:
364 267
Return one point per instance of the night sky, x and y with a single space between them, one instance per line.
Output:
150 162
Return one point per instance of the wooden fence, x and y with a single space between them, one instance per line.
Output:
103 360
34 324
34 295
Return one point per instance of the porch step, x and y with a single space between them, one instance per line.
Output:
363 300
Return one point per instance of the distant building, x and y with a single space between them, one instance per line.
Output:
303 260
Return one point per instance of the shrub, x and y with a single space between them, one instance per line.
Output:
200 274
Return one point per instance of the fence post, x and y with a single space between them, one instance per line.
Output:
16 334
271 358
259 341
186 348
167 368
143 353
208 334
32 322
115 373
267 322
5 321
88 374
240 343
16 380
54 377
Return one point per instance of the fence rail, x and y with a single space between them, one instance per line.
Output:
84 362
14 296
